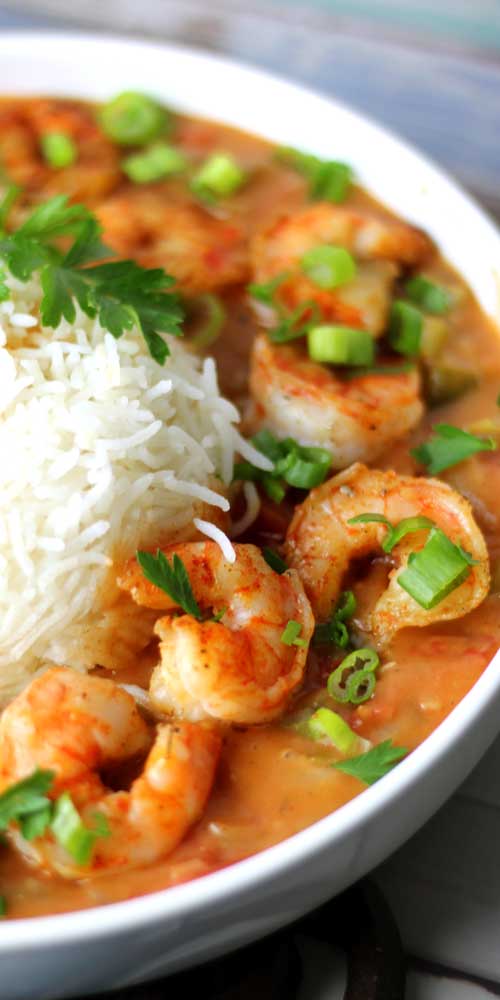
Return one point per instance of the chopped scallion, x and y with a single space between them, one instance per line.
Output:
405 328
59 150
395 532
294 465
3 907
70 831
329 180
448 447
353 680
274 560
154 163
328 266
341 345
429 296
334 631
133 119
214 322
291 634
435 571
324 722
218 177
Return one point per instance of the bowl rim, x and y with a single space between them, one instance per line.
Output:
224 884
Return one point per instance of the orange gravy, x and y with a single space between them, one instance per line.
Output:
272 782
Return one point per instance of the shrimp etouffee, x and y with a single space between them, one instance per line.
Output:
347 596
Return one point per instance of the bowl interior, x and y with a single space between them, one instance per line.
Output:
84 66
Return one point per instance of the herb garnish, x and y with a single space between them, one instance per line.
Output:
27 804
294 465
291 324
334 632
172 578
291 633
448 447
120 293
369 767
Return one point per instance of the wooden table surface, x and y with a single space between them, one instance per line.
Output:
444 885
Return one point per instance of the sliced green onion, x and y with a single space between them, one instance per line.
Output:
328 266
218 177
341 345
450 446
215 319
155 163
70 831
324 722
274 560
58 149
332 181
132 119
219 615
427 295
294 465
334 631
291 633
3 906
348 682
405 328
395 532
307 467
329 180
295 324
434 572
266 291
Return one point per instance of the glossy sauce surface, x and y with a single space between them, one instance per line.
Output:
272 782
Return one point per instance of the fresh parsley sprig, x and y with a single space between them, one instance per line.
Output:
172 578
369 767
120 292
27 804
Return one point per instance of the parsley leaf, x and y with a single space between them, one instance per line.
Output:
120 292
369 767
449 446
172 579
25 798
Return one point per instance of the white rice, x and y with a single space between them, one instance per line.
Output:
102 451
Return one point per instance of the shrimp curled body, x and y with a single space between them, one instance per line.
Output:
321 544
77 726
356 419
382 248
237 669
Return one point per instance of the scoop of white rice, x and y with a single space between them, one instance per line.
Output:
102 451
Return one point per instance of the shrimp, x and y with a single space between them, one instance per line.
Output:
321 544
23 123
356 418
383 247
79 725
237 669
203 253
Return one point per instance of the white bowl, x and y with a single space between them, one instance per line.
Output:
144 938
